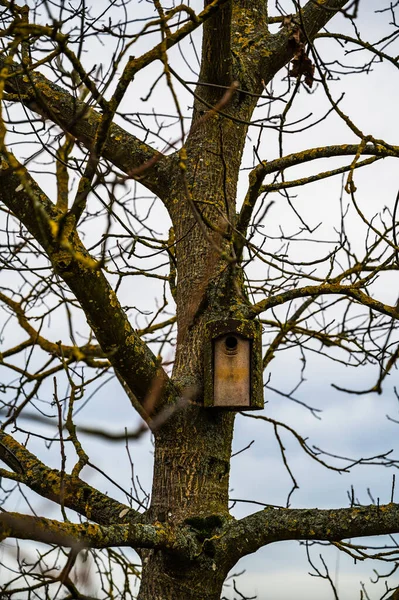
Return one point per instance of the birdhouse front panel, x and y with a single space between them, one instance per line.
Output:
232 371
233 364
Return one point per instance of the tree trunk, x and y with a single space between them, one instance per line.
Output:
193 449
191 479
167 579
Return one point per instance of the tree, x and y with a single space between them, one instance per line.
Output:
72 151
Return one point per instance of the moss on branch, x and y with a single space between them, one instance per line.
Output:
351 291
90 535
72 492
120 343
274 525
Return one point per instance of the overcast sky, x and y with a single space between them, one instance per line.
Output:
353 426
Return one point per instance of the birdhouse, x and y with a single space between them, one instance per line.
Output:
233 365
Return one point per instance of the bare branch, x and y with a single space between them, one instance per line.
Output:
271 525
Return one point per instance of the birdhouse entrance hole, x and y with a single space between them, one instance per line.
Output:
231 344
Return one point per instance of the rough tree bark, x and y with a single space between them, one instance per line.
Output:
187 539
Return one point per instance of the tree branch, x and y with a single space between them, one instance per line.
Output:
362 44
137 64
297 158
351 291
216 64
265 168
273 525
134 361
87 353
89 535
77 118
278 48
69 491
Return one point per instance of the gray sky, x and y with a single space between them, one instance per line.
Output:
353 426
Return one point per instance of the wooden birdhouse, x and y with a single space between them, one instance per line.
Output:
233 365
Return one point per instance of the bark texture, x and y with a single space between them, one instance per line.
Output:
187 539
192 452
